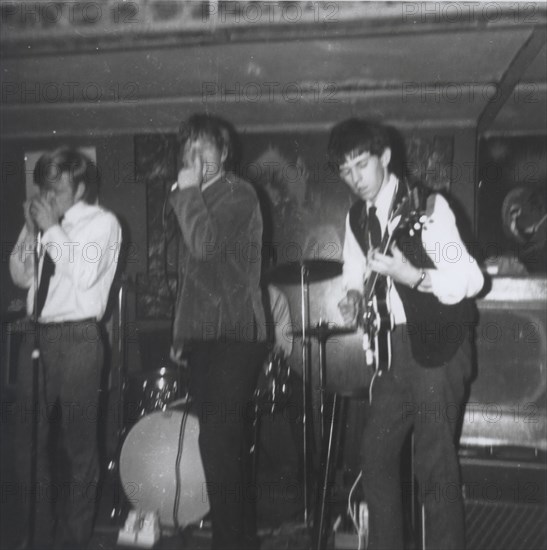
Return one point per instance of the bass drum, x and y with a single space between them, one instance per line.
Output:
347 372
148 467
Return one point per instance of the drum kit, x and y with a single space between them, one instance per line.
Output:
152 466
304 273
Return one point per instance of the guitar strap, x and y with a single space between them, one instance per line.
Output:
358 215
375 234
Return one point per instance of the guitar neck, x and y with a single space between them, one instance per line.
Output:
370 283
396 211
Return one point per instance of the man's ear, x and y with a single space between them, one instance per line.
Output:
386 157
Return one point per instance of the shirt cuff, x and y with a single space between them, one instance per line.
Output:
54 234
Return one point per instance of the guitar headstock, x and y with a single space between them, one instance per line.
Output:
406 218
415 222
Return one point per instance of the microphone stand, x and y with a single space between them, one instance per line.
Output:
35 401
305 304
114 464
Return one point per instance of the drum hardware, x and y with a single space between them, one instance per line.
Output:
322 331
159 389
303 273
273 388
325 330
290 273
272 393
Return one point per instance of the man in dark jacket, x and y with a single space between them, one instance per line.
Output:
219 324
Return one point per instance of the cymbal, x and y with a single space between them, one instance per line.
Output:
317 270
323 331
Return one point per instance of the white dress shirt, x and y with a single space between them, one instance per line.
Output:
456 274
85 249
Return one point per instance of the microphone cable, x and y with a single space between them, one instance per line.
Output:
178 481
167 238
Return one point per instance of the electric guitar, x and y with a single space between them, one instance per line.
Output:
375 318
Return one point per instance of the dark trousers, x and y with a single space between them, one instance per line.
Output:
222 381
429 401
71 359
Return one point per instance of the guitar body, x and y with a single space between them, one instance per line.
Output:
376 318
377 326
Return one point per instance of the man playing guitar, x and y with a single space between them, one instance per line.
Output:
425 278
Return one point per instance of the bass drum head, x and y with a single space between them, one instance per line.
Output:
347 371
148 467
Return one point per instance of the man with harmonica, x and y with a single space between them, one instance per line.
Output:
219 327
67 297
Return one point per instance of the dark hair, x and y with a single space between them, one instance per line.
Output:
359 135
79 167
214 129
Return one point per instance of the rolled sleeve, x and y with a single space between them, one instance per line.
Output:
457 274
21 262
355 262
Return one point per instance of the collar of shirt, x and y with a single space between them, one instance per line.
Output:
213 180
383 201
74 213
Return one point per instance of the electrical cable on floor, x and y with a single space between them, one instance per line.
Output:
351 513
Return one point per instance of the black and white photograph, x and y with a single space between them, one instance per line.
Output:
274 275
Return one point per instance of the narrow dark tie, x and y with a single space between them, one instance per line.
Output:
48 269
374 229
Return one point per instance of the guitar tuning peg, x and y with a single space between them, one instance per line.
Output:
417 226
423 218
411 232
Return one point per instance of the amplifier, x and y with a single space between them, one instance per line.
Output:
504 502
503 445
507 401
503 526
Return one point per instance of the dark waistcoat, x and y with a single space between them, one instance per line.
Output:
435 330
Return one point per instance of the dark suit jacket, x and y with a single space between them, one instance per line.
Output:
219 296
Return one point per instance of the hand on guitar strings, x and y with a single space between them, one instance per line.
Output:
396 266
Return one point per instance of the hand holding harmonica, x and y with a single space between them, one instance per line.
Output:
191 174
